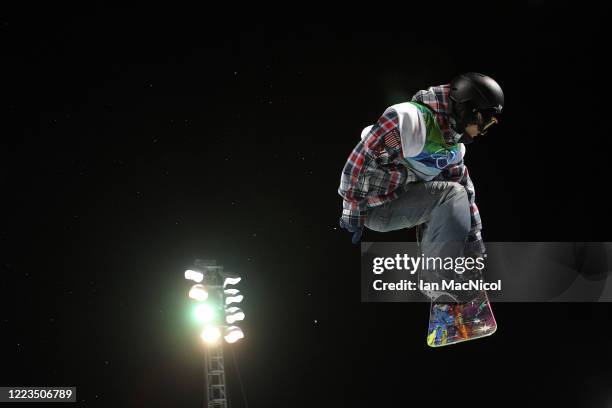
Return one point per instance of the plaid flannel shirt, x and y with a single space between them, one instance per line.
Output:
373 174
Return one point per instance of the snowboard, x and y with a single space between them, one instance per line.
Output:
452 323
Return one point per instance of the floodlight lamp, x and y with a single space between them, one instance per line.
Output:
194 275
204 313
210 334
198 292
234 314
233 299
233 334
231 281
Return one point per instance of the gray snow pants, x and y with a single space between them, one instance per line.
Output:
443 207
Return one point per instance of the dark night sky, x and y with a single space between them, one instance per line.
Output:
136 143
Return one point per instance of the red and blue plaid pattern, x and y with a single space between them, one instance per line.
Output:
373 174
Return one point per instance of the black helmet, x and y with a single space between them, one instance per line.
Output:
474 98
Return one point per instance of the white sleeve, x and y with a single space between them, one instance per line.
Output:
460 154
365 131
412 128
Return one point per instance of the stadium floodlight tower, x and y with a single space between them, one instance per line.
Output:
214 299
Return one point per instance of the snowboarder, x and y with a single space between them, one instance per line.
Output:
408 169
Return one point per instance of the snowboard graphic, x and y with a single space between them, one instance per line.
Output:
451 323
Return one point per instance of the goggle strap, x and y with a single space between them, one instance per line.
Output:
491 122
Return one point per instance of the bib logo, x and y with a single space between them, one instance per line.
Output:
443 157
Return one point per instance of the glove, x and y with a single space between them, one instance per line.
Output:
357 231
